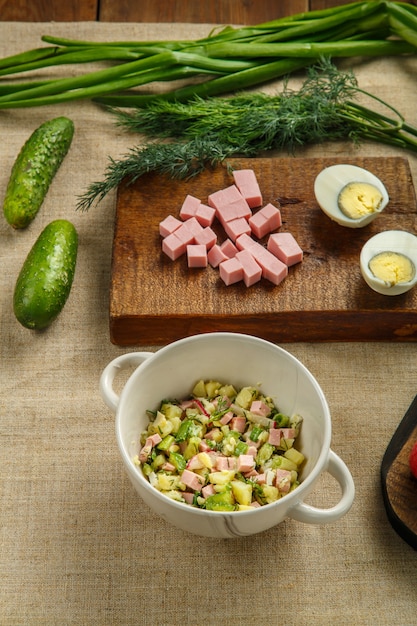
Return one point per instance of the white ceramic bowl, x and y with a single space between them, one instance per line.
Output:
241 360
399 241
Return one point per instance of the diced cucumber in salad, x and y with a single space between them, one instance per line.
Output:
221 449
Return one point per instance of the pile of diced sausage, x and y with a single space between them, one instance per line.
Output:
240 256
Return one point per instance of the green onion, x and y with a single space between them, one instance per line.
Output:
310 50
183 431
177 461
227 60
403 22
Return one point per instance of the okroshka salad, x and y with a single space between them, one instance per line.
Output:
221 449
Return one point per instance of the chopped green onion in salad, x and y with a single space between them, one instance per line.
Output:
221 449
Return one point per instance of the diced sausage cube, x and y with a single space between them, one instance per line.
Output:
222 463
231 271
189 207
237 227
285 247
260 408
207 237
245 463
283 480
229 248
289 433
192 480
207 491
233 210
205 214
247 183
185 233
193 225
225 419
147 448
273 215
188 496
238 423
272 268
245 242
216 256
252 271
259 225
224 196
265 220
173 247
197 255
169 225
274 437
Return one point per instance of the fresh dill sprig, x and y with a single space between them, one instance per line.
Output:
205 132
176 160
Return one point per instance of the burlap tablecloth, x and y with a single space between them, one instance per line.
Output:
78 546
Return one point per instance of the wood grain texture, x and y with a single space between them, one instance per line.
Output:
399 488
219 12
154 300
44 11
187 11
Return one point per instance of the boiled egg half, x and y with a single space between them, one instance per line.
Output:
388 262
350 195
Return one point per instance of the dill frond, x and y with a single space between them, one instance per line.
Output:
204 132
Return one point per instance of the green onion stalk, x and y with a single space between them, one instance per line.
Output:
227 60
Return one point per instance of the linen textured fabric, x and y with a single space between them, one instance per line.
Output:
78 546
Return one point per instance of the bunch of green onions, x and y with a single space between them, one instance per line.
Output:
228 60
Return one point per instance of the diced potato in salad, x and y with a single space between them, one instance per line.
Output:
221 449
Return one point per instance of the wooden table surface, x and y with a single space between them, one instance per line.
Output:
209 11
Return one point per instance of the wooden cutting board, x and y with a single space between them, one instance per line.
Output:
399 488
154 300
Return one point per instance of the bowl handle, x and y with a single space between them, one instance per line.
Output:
131 359
313 515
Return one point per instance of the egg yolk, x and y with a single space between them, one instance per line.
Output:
359 199
392 267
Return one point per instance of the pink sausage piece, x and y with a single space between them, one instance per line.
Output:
229 248
272 268
192 480
265 220
216 256
224 196
197 255
233 210
173 247
185 233
285 248
231 271
237 227
207 237
169 225
247 183
189 207
205 214
252 272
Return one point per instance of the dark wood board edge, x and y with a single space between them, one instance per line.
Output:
399 488
285 327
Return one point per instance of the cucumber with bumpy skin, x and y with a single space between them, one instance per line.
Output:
34 169
45 280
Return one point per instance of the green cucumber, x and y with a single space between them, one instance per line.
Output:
34 169
45 280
